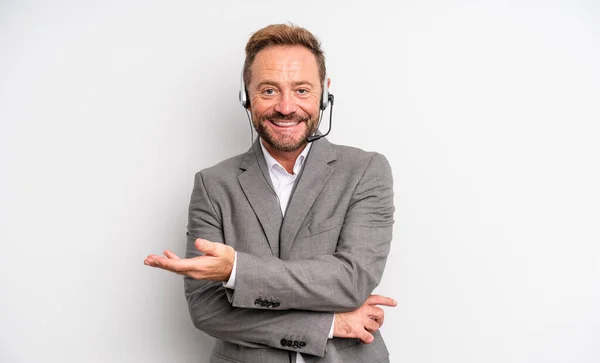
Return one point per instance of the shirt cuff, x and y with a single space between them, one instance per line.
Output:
331 330
230 284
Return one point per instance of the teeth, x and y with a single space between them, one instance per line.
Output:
285 124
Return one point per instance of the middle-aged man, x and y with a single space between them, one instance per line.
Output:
287 241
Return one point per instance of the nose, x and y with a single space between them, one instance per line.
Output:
286 104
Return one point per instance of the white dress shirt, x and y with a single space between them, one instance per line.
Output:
283 183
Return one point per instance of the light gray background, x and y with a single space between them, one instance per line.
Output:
488 113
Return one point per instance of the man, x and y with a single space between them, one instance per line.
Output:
287 241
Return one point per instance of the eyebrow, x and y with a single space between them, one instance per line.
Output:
273 83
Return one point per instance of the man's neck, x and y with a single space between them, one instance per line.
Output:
287 159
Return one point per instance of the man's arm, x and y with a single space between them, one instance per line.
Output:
300 331
212 313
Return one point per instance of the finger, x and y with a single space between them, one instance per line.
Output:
381 300
366 337
180 266
207 247
171 255
379 322
377 314
371 326
150 259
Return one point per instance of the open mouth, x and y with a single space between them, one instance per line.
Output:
284 123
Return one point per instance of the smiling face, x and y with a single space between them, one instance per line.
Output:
285 92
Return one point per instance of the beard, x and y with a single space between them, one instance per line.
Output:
285 143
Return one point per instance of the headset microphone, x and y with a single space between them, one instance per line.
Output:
330 99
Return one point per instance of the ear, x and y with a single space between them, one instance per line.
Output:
328 82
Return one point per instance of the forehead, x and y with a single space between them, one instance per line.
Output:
285 62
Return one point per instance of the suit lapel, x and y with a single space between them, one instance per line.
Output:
256 184
315 173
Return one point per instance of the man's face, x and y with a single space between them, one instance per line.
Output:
285 92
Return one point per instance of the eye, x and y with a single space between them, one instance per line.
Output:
268 92
303 91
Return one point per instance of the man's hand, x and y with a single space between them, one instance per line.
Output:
216 263
363 321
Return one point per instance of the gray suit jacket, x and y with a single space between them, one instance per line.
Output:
327 254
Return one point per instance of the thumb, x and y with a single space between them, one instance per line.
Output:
366 337
207 247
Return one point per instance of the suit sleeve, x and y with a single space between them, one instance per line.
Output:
211 310
336 282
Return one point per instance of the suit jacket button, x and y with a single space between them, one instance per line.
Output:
268 303
289 343
295 345
283 342
257 302
276 304
302 344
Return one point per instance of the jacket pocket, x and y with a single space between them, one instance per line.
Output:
319 227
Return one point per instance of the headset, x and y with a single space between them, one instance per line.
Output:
326 99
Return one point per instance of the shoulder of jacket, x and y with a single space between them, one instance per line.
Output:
225 169
349 155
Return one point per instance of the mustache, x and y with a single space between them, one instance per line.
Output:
277 116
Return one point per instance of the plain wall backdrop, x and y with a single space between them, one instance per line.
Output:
487 111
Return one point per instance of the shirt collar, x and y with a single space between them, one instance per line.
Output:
271 162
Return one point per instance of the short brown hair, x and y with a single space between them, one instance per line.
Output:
286 35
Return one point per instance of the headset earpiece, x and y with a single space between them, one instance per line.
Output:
243 95
325 95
